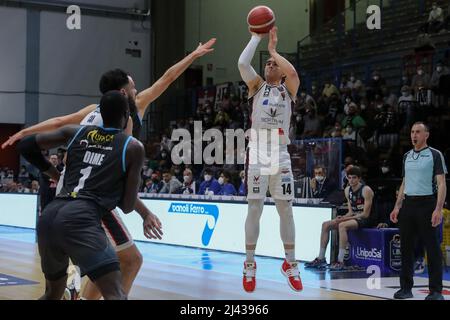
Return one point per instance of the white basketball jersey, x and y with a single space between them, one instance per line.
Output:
93 119
272 109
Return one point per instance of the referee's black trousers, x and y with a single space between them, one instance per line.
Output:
415 221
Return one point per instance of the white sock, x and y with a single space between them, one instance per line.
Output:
322 253
290 255
341 255
250 255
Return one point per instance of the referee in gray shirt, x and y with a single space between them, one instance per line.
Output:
419 211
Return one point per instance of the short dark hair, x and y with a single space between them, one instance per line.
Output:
227 174
418 123
113 108
319 166
354 171
208 171
167 171
113 80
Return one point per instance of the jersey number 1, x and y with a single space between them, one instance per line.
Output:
85 174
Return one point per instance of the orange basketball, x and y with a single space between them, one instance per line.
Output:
261 19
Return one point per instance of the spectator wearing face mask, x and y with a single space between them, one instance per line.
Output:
171 184
34 187
374 86
321 187
226 188
242 191
210 185
436 84
352 118
421 80
189 185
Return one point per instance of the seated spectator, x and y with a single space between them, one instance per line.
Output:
226 188
147 187
421 80
23 176
435 21
336 131
353 118
154 184
330 89
8 176
21 188
359 200
305 99
321 187
406 108
189 185
209 186
334 111
242 191
356 88
171 184
374 86
177 172
387 128
313 127
439 90
34 187
222 120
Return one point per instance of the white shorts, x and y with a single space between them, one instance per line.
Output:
276 177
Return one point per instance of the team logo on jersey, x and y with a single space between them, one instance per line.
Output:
266 91
97 137
273 113
256 179
255 189
266 102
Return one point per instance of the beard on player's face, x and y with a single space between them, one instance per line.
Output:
132 104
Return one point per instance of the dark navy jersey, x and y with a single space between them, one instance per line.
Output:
95 167
356 199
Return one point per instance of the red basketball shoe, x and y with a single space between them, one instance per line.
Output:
249 278
290 270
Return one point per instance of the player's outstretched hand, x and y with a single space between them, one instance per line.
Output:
203 49
152 227
13 139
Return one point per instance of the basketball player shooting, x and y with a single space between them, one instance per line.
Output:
271 100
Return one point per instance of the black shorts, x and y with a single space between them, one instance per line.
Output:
72 229
364 223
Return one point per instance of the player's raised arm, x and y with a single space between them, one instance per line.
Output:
147 96
50 124
292 79
30 147
248 74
